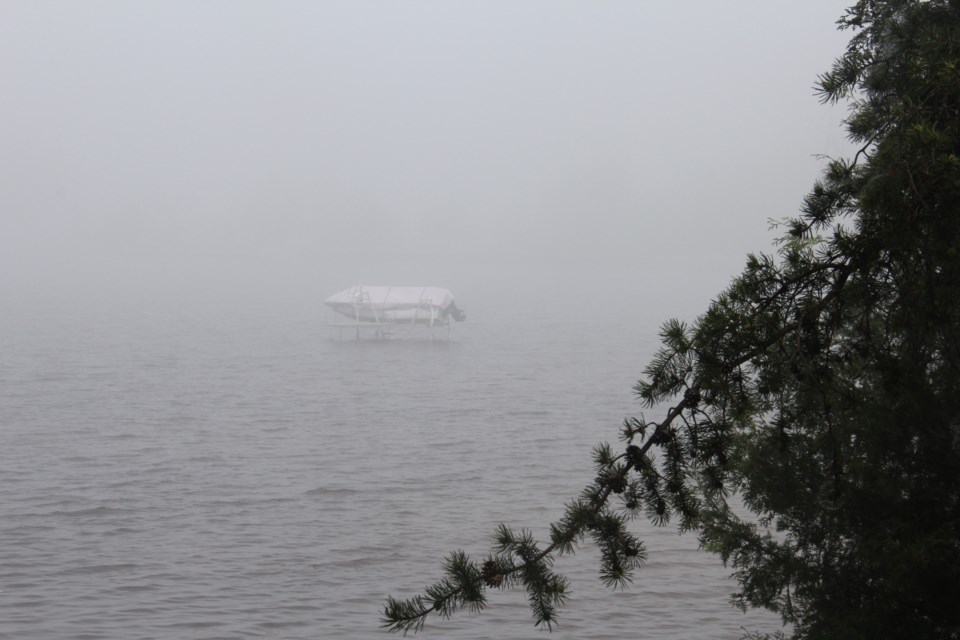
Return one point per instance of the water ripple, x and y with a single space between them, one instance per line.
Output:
165 478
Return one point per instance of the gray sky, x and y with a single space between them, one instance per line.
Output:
291 149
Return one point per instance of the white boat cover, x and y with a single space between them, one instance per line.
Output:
392 297
390 303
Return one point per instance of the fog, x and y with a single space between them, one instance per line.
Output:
176 462
547 152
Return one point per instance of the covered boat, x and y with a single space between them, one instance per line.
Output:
396 305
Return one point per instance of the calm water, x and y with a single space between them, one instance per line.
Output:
237 475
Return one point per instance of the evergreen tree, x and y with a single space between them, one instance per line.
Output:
822 387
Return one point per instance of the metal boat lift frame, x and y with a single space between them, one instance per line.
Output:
384 329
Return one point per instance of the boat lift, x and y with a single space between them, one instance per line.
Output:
387 312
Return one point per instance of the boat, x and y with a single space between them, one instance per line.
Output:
386 308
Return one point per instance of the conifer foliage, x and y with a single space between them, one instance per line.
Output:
821 388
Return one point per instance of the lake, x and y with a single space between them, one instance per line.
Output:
177 473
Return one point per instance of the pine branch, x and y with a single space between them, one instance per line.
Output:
465 584
446 596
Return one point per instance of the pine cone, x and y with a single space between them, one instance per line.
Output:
615 481
635 457
491 574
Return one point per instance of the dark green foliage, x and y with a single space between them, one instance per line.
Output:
460 588
821 390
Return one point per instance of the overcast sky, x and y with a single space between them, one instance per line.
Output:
292 149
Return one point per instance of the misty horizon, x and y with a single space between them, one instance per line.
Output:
294 149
